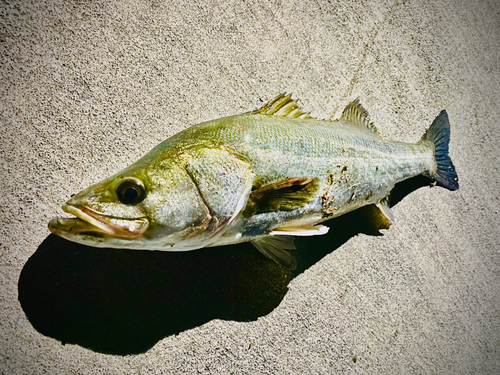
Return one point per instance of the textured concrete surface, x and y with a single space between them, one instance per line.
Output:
88 87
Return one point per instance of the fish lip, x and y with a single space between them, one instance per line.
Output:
108 225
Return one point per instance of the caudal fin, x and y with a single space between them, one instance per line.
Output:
439 134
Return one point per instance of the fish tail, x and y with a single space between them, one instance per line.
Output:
439 134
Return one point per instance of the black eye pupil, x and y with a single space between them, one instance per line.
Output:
130 194
131 191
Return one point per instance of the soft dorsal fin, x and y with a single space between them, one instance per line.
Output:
284 106
358 116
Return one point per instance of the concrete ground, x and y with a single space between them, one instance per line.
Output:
86 88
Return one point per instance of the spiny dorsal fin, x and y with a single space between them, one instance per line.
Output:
358 116
284 106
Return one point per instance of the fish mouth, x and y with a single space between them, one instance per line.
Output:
88 222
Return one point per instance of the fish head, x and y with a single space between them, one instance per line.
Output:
155 206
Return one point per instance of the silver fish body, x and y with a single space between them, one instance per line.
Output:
264 176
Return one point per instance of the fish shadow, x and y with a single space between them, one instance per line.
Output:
125 301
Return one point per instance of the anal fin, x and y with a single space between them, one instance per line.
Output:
380 214
276 248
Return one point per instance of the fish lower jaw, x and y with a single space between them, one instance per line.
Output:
69 228
89 222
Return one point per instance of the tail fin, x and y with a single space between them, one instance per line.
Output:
439 134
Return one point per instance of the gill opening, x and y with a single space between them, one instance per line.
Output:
211 220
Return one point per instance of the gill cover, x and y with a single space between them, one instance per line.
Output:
224 182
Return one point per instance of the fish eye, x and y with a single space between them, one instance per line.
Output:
131 191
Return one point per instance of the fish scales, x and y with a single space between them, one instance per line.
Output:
265 177
279 148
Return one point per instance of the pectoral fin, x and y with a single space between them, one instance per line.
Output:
276 248
284 195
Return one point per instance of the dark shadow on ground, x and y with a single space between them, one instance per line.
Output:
125 301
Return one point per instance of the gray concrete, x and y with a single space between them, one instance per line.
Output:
88 87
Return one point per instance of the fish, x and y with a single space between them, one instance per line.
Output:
265 177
